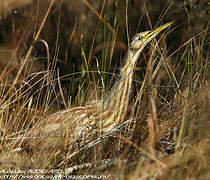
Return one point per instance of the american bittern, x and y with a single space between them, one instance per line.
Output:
101 116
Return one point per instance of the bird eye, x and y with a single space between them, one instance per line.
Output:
140 37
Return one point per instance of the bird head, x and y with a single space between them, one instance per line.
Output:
140 40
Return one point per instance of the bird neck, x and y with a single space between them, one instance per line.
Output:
116 102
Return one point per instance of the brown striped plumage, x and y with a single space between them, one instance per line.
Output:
80 123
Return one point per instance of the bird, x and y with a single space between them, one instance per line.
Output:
79 124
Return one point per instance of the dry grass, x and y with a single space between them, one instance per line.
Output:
166 131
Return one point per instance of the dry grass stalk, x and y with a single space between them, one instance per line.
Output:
152 126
